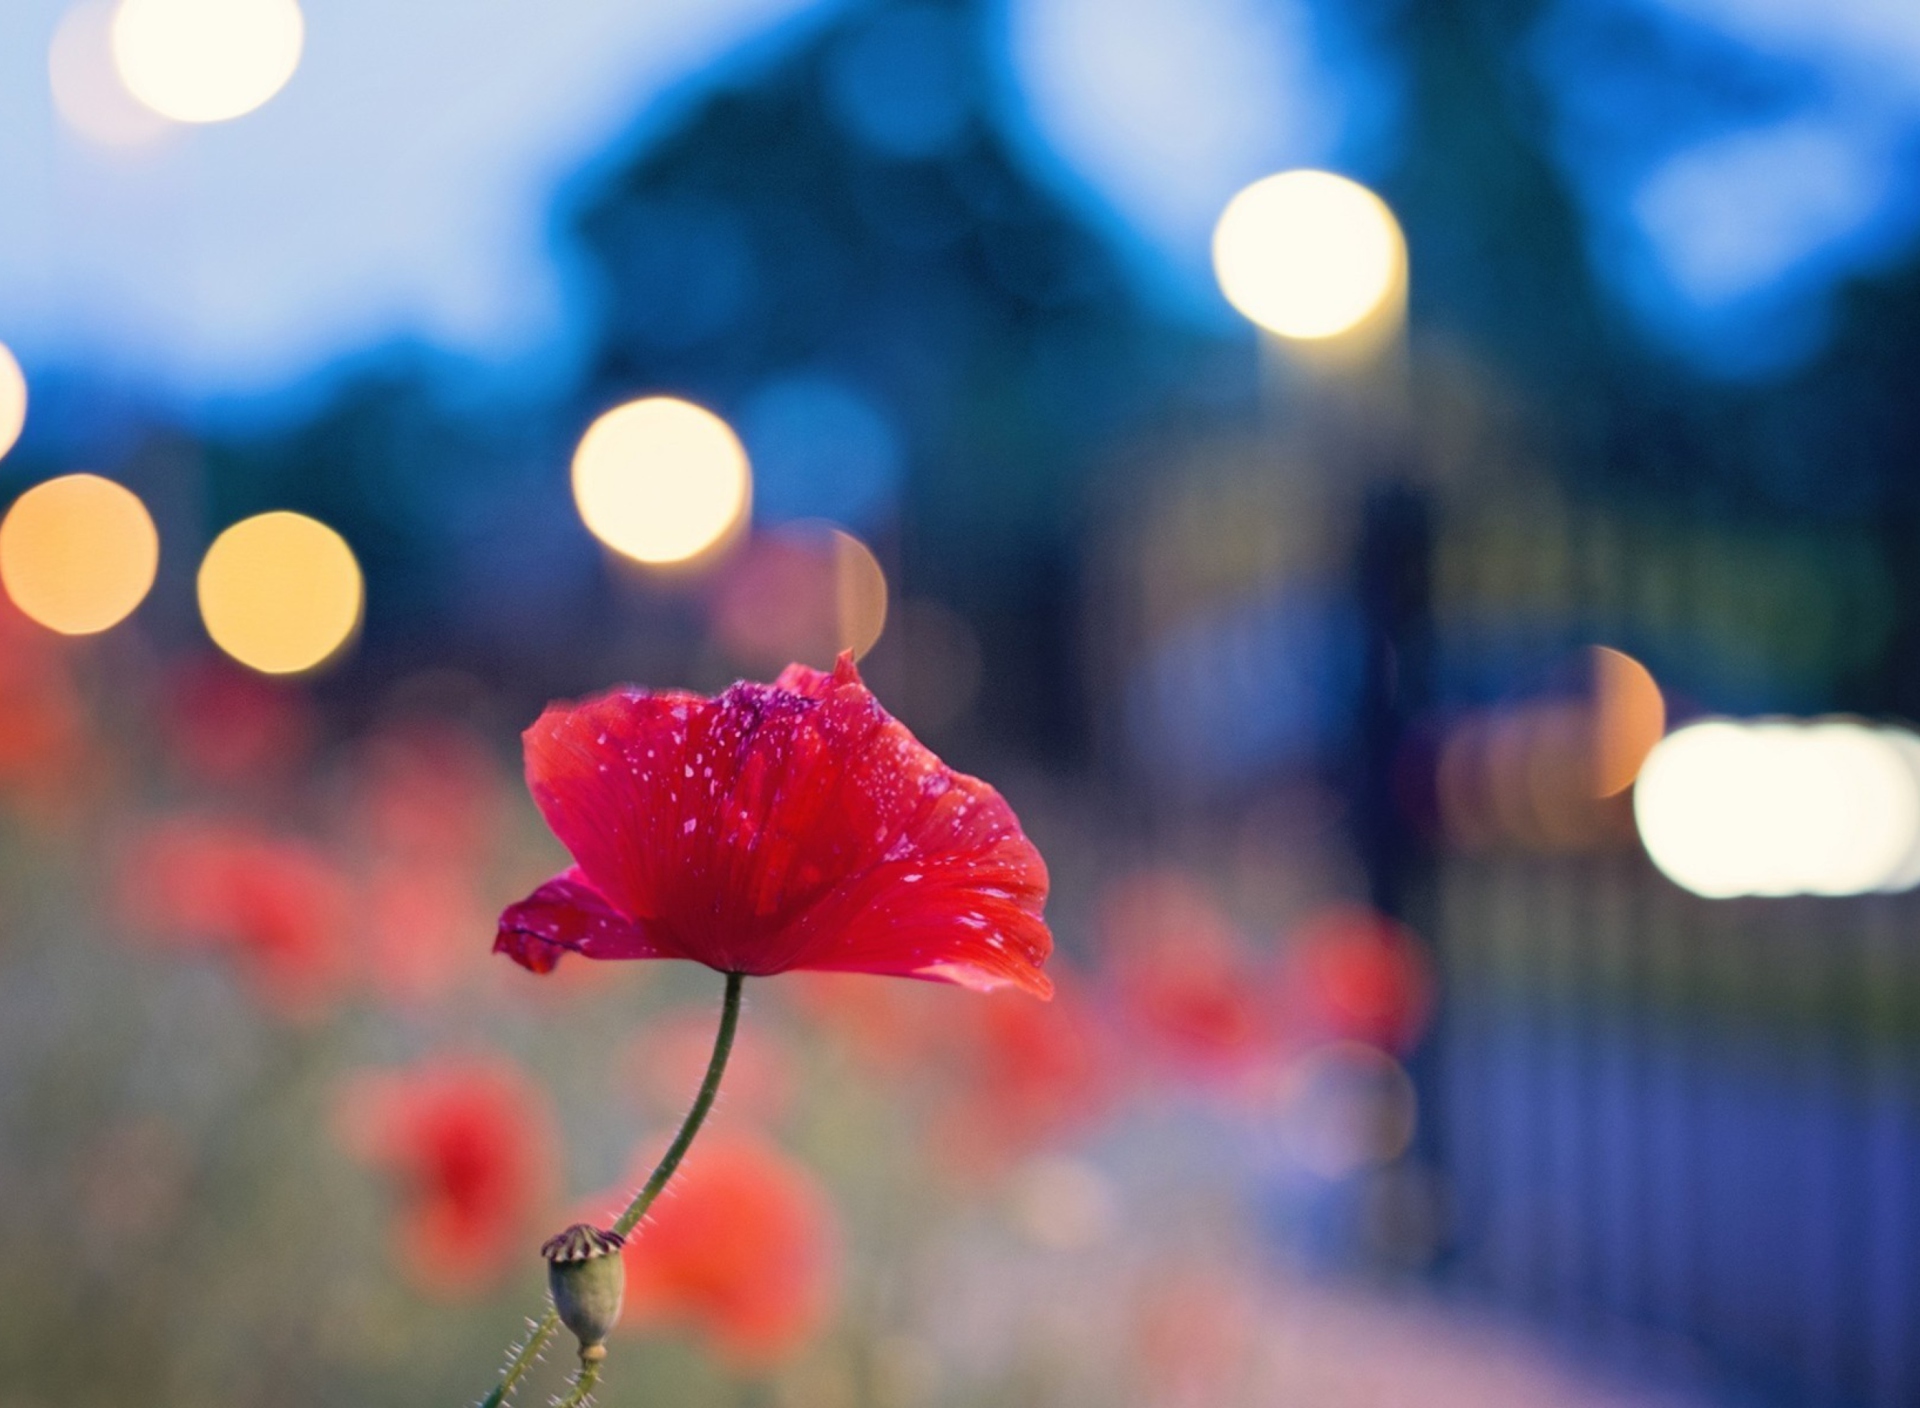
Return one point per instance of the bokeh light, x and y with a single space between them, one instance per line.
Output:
206 60
1780 808
1308 254
805 592
1525 775
87 90
1629 717
660 480
13 400
1346 1107
78 553
280 592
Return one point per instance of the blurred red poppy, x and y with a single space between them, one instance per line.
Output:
469 1144
418 922
225 725
774 827
1024 1077
1190 988
279 904
42 731
1353 973
428 792
426 808
743 1248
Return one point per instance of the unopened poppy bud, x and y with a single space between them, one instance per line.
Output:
585 1275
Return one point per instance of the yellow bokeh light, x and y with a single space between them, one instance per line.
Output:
13 400
87 91
280 592
1629 716
78 553
1307 254
660 480
206 60
859 592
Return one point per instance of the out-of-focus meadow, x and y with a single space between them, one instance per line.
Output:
1450 627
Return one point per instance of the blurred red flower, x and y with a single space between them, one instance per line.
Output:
225 725
1022 1078
1190 988
774 827
42 732
1354 973
429 792
418 923
278 904
743 1249
427 807
468 1143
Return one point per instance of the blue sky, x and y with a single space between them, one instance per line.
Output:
400 185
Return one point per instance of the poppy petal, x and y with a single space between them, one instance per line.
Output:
793 825
567 915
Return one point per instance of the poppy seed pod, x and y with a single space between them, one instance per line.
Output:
587 1281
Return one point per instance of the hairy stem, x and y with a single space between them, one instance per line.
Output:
696 1116
522 1359
583 1382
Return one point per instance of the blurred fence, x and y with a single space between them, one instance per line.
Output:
1695 1117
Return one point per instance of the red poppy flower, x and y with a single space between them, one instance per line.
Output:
1356 974
743 1249
774 827
279 904
468 1144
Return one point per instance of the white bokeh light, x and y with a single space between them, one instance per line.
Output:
206 60
1308 254
13 400
661 480
1779 807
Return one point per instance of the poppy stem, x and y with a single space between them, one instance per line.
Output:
522 1358
696 1116
583 1383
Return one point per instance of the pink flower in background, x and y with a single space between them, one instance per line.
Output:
743 1249
775 827
418 924
278 906
468 1144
